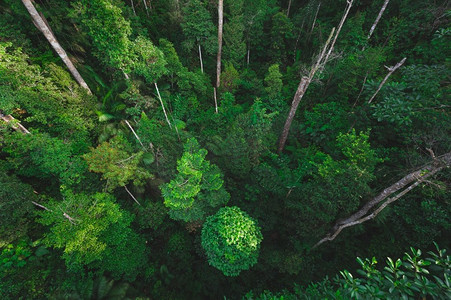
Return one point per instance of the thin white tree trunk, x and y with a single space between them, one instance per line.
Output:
216 101
42 26
343 19
316 16
134 133
381 12
218 59
145 5
162 105
133 7
248 54
288 10
131 195
390 71
200 58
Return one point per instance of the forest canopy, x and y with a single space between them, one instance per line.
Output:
200 149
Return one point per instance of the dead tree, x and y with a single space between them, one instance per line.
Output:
306 80
372 208
40 23
390 71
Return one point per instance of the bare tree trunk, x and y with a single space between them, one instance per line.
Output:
342 21
134 133
248 54
381 12
306 80
42 26
218 59
15 125
200 58
390 71
145 5
133 7
131 195
316 16
288 10
216 101
162 105
411 180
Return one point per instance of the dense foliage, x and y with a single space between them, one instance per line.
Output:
158 184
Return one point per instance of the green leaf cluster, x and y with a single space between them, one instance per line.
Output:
231 240
198 187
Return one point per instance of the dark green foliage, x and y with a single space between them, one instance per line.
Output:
15 208
231 239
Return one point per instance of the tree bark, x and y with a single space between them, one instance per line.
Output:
390 71
403 186
42 26
200 58
381 12
220 25
306 80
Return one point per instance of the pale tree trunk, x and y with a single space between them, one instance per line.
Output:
390 71
316 16
248 54
218 59
200 58
381 12
306 80
42 26
288 10
162 105
133 7
145 5
216 101
401 187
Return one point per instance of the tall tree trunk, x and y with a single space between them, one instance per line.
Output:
200 58
381 12
218 59
133 7
401 187
288 10
145 5
42 26
316 16
306 80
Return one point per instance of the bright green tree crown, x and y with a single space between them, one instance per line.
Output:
231 240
